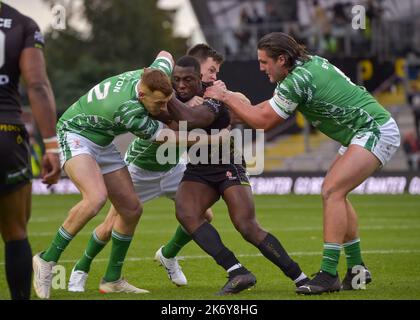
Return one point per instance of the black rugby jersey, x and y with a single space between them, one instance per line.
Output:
17 32
221 121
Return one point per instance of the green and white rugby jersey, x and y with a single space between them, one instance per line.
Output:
111 108
144 154
329 100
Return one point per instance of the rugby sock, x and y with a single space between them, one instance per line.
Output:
19 268
120 245
95 245
272 249
330 258
178 241
207 237
60 242
353 253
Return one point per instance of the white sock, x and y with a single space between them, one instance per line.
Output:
301 277
234 267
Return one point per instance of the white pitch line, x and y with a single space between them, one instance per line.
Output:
297 253
223 230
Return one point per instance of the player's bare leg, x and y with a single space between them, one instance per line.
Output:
240 203
128 207
14 216
85 173
192 199
350 170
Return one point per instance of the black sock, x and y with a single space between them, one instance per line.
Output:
271 248
19 268
207 237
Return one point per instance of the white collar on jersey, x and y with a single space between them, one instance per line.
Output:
137 89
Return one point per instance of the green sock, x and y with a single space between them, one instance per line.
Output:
330 258
178 241
60 242
120 245
353 253
94 246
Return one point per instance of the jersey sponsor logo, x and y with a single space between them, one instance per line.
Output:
39 37
9 128
76 144
230 176
5 23
4 79
214 105
316 123
284 103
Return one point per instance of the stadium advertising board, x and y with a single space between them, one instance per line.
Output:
301 183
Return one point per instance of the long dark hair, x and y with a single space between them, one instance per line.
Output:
279 43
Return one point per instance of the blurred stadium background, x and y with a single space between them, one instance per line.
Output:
105 37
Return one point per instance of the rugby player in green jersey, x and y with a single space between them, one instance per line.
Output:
341 110
151 180
119 104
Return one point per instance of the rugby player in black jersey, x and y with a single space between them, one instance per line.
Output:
204 183
21 46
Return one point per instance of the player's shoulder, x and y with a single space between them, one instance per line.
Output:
132 107
130 76
118 88
303 74
307 69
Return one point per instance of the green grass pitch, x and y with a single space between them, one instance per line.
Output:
389 227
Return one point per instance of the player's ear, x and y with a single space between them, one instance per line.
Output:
281 59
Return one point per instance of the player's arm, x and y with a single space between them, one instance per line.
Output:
200 116
167 55
163 62
261 116
234 118
41 98
154 130
148 128
167 135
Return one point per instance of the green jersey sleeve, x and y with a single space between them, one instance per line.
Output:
294 90
162 64
132 116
